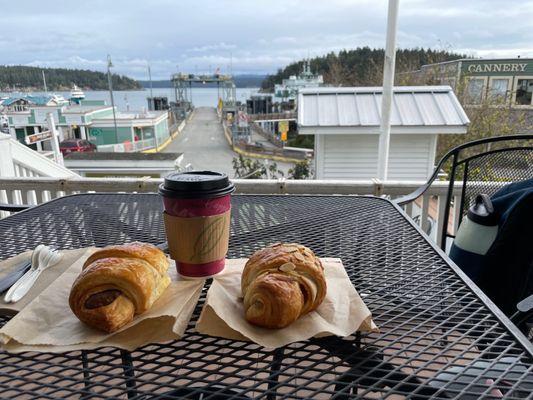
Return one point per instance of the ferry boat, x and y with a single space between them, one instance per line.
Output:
288 89
76 94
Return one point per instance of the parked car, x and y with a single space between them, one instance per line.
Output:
72 145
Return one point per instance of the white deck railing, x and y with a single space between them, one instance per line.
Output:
128 147
28 162
428 210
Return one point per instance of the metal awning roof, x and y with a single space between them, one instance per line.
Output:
40 100
415 109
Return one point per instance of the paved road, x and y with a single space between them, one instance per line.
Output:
204 146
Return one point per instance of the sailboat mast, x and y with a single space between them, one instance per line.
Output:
44 82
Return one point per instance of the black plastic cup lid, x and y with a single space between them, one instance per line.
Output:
196 184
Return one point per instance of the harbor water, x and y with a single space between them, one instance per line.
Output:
135 100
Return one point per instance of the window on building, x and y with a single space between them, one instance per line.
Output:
499 88
524 89
474 90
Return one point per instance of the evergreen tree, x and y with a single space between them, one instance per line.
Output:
362 66
24 77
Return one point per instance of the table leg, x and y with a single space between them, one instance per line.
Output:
129 371
274 372
86 374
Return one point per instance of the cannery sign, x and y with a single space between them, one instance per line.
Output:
498 68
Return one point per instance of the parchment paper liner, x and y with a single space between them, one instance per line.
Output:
341 313
47 324
47 277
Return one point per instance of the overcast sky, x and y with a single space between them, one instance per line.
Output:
259 36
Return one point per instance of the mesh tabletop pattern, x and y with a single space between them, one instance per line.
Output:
437 338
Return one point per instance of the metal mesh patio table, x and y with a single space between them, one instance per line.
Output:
439 336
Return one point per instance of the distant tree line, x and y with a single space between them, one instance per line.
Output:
24 77
362 66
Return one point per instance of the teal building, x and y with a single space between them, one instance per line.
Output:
90 120
131 127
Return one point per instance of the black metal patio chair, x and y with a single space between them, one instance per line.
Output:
481 166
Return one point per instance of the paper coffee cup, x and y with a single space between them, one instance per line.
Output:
197 220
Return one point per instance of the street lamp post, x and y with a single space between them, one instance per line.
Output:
110 83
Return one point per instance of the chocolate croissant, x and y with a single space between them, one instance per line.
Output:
118 282
280 283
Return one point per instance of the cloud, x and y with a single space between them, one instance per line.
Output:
258 37
499 53
213 47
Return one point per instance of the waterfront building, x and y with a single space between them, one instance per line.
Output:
158 103
131 127
288 89
346 126
24 102
510 81
260 103
71 120
75 120
90 120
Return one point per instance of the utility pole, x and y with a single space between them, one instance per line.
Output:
44 82
110 83
388 82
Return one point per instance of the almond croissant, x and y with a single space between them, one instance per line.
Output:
280 283
118 282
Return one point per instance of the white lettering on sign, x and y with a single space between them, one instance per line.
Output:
502 67
38 137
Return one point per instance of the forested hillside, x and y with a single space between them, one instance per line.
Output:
23 77
362 66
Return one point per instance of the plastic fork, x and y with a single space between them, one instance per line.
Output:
46 261
34 264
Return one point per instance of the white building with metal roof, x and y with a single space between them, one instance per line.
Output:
346 125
